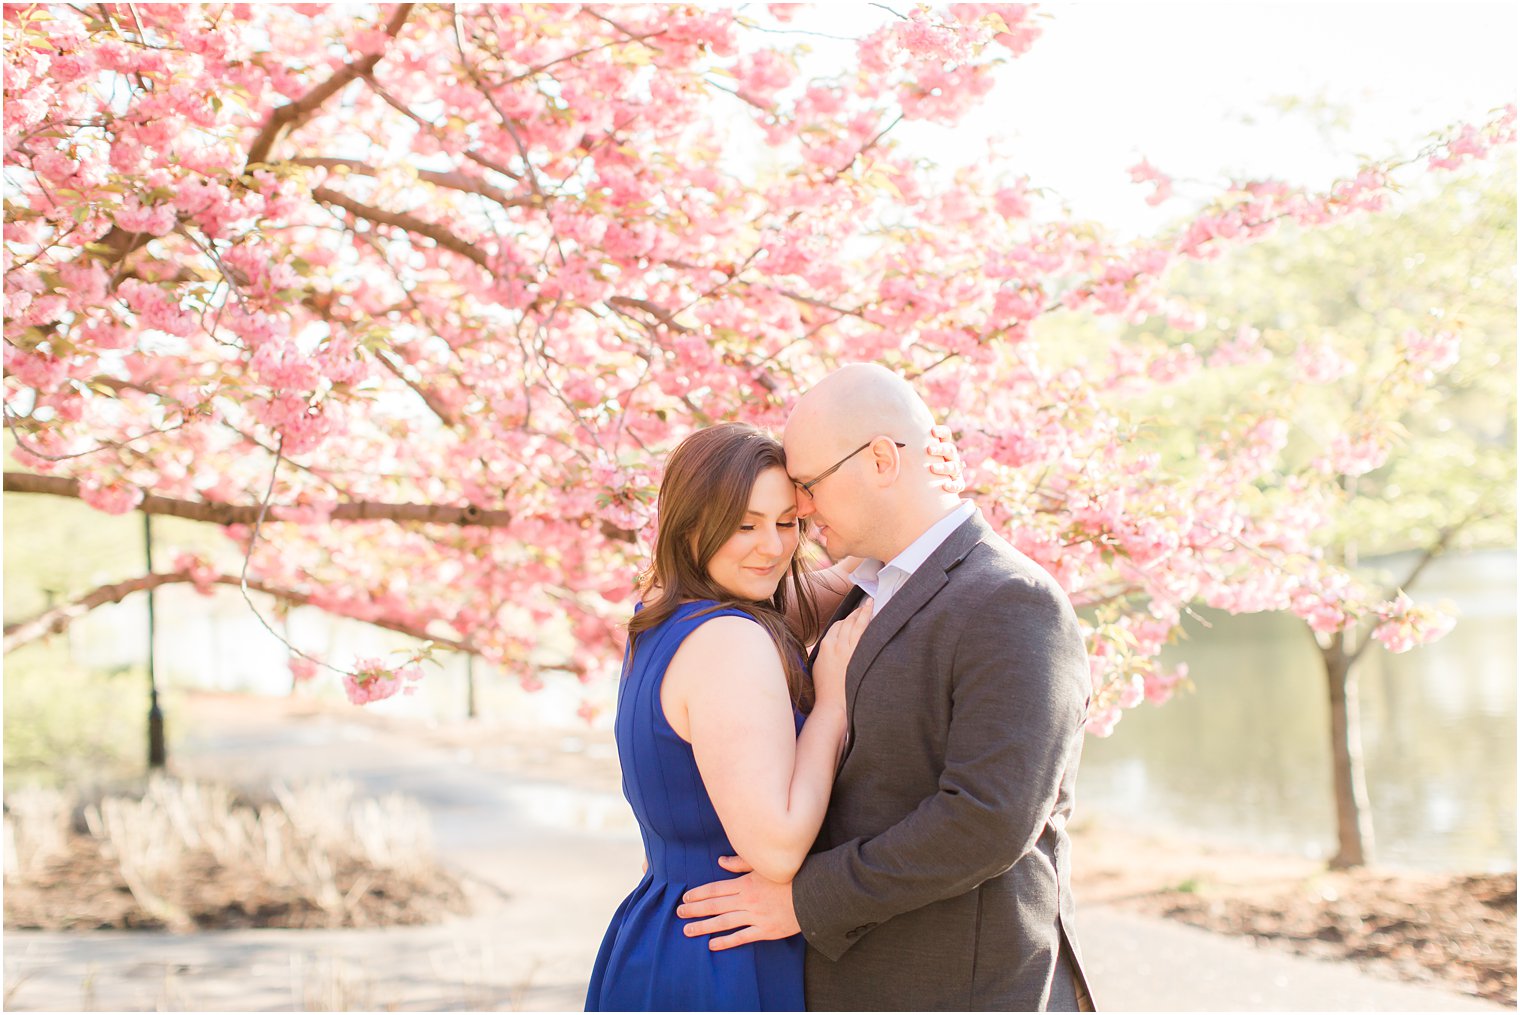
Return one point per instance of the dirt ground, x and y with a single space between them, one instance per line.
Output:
1452 929
1455 930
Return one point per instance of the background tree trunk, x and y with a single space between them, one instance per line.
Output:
1353 813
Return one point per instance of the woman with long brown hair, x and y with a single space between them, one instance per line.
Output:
728 745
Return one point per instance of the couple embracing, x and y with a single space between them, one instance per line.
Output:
880 825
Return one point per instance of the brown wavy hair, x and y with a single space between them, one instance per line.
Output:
703 498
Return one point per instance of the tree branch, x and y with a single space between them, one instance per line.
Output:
401 107
121 242
811 301
56 619
582 52
630 35
529 173
656 311
1429 554
1432 552
410 223
837 173
449 181
291 115
428 396
246 514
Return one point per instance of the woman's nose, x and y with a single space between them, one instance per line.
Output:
770 542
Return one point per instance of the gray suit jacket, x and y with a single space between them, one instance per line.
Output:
941 878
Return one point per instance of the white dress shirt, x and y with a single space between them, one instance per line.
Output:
881 581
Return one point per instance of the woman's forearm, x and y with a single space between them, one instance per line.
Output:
819 747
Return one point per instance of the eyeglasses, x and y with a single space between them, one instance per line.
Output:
807 487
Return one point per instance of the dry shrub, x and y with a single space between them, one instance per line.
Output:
193 854
37 829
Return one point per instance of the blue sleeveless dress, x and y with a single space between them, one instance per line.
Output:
646 963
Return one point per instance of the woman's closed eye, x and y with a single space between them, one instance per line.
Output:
779 525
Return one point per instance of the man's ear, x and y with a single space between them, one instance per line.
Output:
886 460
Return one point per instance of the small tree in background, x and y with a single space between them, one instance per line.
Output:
1389 343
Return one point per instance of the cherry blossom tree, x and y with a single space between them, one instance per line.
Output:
413 299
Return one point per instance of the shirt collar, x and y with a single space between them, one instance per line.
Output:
868 572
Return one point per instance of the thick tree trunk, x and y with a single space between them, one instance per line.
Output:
1353 813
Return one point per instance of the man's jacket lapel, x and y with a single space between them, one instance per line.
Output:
921 586
852 599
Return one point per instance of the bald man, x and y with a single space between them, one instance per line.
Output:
941 880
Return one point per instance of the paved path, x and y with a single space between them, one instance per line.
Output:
558 858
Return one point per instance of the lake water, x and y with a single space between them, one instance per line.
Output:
1245 756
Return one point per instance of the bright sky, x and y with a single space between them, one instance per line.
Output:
1190 86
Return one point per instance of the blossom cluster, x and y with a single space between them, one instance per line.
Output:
372 680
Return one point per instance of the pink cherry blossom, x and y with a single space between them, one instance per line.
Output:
1355 455
1432 353
202 573
1144 172
518 298
1102 722
371 680
1161 685
1319 362
114 498
1404 626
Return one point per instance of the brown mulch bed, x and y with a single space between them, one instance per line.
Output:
1460 930
83 890
1456 931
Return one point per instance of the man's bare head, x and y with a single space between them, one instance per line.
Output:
856 445
858 402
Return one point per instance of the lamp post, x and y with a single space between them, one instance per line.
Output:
469 684
156 753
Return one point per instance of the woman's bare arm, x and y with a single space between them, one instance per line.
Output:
725 694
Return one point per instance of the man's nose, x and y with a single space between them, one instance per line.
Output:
804 503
